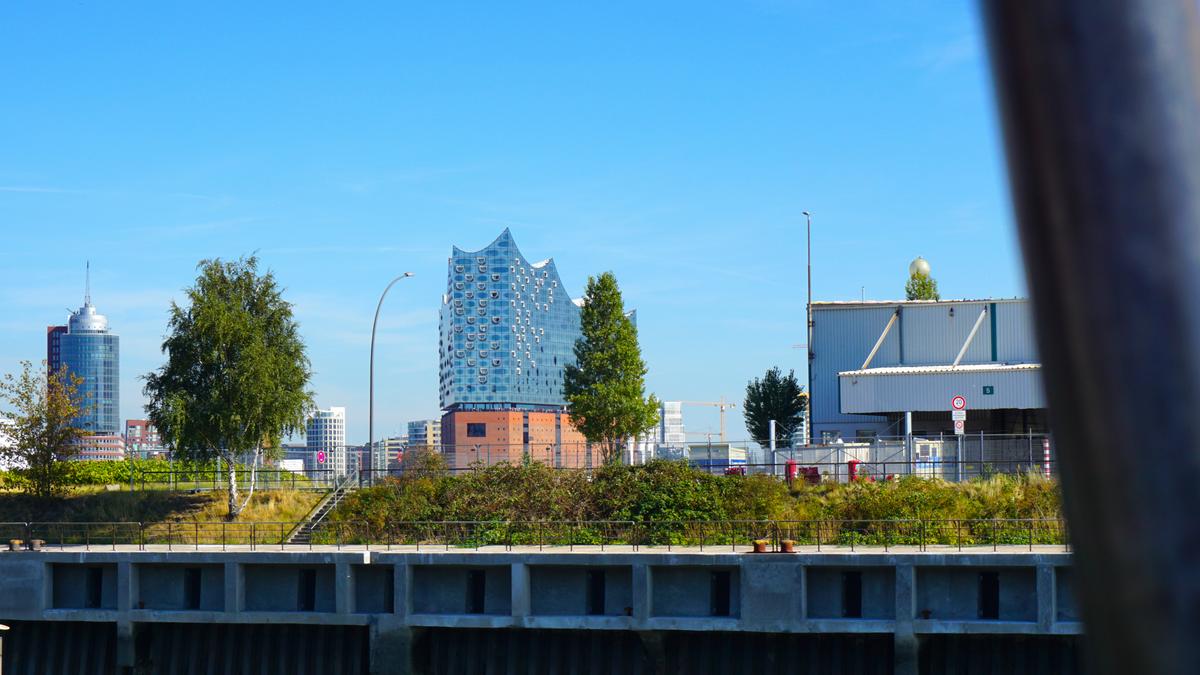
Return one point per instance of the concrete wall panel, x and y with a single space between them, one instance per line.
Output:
686 591
276 588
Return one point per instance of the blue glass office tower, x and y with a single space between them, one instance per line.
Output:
91 352
508 331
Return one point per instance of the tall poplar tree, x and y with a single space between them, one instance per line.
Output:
605 387
236 376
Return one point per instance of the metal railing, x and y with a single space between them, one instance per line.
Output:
730 535
191 479
949 457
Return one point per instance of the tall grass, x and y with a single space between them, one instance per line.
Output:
154 506
673 492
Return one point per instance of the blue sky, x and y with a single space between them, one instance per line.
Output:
674 143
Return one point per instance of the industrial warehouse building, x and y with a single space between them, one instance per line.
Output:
872 362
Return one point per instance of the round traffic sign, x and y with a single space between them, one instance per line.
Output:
958 403
320 456
959 425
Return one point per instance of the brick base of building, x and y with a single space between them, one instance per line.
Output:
488 437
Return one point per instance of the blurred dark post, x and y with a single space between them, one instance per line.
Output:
1101 119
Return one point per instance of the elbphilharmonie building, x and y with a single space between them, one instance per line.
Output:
507 332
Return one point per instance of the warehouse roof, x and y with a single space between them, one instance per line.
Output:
938 369
877 303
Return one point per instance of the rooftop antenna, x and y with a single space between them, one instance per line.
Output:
87 284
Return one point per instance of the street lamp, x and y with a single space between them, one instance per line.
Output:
371 400
808 218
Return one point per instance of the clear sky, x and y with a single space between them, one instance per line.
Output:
674 143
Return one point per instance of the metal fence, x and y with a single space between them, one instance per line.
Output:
949 457
731 535
266 478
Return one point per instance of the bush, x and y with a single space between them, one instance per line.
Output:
676 499
78 474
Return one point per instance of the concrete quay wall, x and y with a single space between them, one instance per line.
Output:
393 598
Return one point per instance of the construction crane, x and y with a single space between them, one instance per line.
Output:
722 405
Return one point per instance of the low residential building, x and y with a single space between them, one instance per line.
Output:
102 447
293 452
391 449
425 434
142 440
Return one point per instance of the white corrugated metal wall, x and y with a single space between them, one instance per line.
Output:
924 334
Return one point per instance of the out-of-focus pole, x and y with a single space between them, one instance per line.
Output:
771 424
1101 120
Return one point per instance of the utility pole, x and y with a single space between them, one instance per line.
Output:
809 324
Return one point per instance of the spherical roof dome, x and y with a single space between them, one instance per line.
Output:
919 266
87 320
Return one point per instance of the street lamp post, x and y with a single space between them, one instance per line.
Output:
371 395
809 328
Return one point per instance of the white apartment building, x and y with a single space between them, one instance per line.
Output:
661 440
325 437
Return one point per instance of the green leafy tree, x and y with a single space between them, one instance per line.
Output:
921 287
605 387
423 460
778 397
236 376
40 433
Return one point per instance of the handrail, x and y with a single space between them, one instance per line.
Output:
313 513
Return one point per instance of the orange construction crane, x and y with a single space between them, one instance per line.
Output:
723 405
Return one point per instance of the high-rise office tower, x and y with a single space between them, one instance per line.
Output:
90 351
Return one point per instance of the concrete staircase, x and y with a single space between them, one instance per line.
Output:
301 535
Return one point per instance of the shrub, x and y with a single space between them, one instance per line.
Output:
671 493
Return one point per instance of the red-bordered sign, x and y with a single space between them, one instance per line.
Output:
958 403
